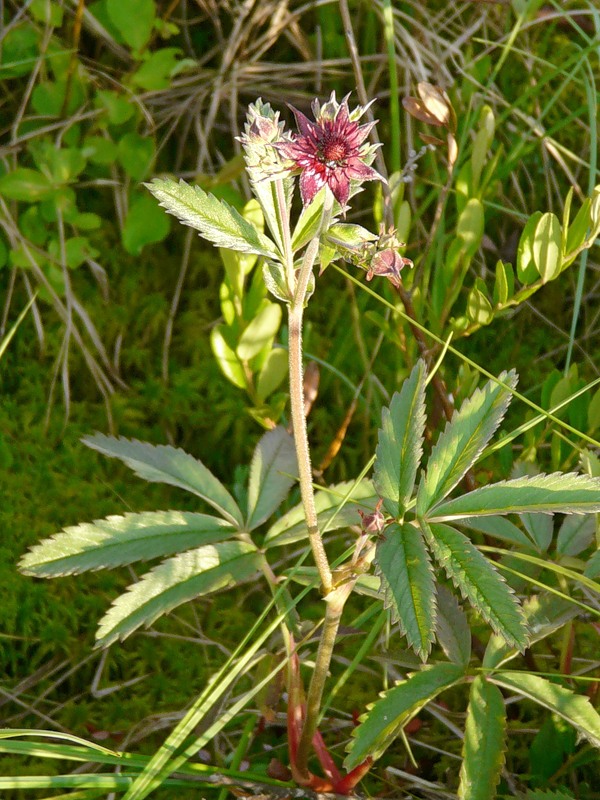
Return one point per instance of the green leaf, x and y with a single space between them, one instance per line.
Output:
273 471
504 287
453 631
165 464
20 50
176 581
470 226
463 439
592 569
266 194
541 529
499 527
216 220
136 155
479 308
384 721
407 579
118 107
400 443
484 742
274 276
116 541
134 19
546 247
337 507
309 222
272 374
544 614
579 227
16 733
227 360
260 332
25 184
145 223
560 492
478 582
526 269
576 709
575 535
155 73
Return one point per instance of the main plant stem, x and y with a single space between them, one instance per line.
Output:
295 319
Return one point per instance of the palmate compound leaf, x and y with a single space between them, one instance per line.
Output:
385 719
165 464
273 472
216 221
400 444
564 493
116 541
407 579
463 439
484 742
337 507
176 581
576 709
478 581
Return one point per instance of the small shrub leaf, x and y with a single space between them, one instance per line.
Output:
400 444
115 541
273 472
575 535
407 579
463 439
217 221
484 742
576 709
176 581
565 493
478 582
165 464
384 721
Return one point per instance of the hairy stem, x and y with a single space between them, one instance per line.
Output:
333 614
295 318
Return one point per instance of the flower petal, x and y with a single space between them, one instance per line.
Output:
310 183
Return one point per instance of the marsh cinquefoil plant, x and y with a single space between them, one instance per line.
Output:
411 525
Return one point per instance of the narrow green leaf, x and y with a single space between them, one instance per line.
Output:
565 493
273 472
478 582
400 444
386 718
547 244
453 631
484 742
15 733
463 439
165 464
215 219
116 541
176 581
337 507
576 709
407 578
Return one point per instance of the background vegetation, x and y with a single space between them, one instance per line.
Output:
97 98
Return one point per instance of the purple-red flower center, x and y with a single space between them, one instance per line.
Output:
333 150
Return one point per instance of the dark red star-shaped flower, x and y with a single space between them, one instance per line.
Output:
331 150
